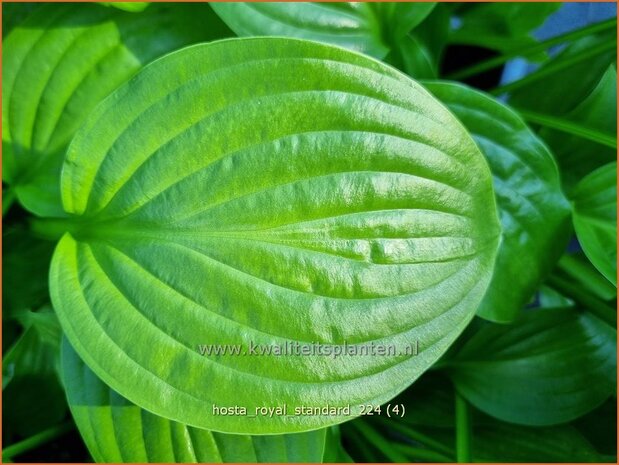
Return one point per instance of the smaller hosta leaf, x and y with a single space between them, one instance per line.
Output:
534 212
595 218
372 28
271 192
117 431
63 60
351 25
549 367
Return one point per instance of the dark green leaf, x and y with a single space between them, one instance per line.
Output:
32 395
576 155
26 261
117 431
270 191
63 60
550 367
534 212
501 26
568 78
595 218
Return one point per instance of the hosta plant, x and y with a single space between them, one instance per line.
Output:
266 232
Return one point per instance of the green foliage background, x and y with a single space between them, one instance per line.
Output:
532 378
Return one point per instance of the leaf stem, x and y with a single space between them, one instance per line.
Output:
569 127
555 67
596 306
532 49
425 455
35 441
463 430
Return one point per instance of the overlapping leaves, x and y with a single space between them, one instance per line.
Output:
63 60
117 431
534 212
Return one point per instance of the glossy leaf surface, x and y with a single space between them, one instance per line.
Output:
117 431
565 80
270 191
63 60
534 212
595 219
552 365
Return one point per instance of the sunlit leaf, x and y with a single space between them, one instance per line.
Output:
270 191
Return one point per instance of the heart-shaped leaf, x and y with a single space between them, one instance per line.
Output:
371 28
275 192
117 431
534 212
550 367
595 218
63 60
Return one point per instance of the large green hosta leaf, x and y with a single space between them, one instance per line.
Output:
534 212
372 28
116 430
269 191
595 218
550 367
62 61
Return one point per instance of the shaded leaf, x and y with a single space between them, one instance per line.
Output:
534 212
598 112
550 367
500 26
349 206
573 74
31 391
26 261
